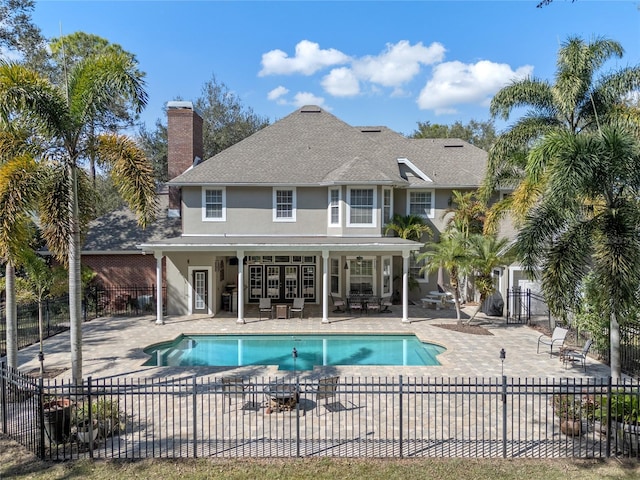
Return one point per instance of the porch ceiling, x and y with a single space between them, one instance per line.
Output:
265 243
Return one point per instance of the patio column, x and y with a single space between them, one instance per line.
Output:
159 318
325 286
240 283
405 286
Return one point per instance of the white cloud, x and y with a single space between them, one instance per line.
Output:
277 93
398 64
306 98
309 58
455 83
341 82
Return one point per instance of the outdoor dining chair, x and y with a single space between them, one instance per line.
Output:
326 388
557 338
237 388
574 356
297 307
266 307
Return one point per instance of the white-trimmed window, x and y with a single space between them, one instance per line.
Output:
214 205
420 202
334 206
362 205
334 269
386 277
415 266
284 205
387 205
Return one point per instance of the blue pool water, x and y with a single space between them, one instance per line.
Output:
312 350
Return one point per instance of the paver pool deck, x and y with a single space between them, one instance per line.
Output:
113 346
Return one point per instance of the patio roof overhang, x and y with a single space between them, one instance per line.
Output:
232 244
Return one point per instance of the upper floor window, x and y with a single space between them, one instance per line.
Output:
421 203
214 205
362 204
334 206
387 206
284 205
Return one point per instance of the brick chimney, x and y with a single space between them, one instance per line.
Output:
184 144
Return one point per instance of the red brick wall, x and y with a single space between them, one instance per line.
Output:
124 270
185 142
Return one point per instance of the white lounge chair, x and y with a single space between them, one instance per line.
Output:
265 307
557 338
297 307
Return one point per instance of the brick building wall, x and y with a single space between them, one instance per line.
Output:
124 270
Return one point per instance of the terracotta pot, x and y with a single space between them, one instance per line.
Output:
570 427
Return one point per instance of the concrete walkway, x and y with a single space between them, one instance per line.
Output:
114 346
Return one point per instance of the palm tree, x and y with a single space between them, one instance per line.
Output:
18 187
41 279
587 221
467 213
64 113
409 227
579 100
486 252
451 254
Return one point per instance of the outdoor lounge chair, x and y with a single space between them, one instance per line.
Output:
557 338
327 388
573 356
238 388
265 307
338 303
297 307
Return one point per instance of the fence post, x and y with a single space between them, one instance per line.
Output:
298 417
504 416
609 429
3 393
401 417
195 418
90 418
41 416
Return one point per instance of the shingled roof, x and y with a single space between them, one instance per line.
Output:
313 147
119 232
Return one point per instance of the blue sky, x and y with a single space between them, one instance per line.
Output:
368 62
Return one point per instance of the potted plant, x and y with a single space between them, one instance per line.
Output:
624 408
568 407
107 411
57 418
86 424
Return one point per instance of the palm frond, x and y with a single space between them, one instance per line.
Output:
132 173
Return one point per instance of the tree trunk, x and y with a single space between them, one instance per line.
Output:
75 282
11 315
614 347
482 299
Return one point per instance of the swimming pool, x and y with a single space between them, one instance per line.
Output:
310 351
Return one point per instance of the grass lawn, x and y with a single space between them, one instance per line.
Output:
17 463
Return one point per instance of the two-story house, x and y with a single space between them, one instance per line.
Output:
298 209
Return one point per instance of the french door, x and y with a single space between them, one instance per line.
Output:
282 283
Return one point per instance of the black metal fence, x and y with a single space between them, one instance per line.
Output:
97 302
295 417
523 305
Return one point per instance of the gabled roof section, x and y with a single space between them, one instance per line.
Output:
119 232
308 147
313 147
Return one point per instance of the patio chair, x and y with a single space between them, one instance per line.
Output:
234 388
266 307
355 303
557 338
581 357
297 307
373 305
326 388
338 303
